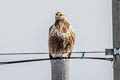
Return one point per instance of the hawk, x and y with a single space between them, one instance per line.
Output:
61 38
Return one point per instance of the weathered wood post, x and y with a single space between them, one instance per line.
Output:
116 36
60 69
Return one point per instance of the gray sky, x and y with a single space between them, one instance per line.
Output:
24 27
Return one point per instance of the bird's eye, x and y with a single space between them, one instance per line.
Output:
60 14
56 14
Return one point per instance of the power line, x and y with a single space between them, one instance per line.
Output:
92 52
46 59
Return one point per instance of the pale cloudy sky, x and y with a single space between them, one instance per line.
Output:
24 27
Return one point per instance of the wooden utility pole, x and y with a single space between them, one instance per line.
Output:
116 36
60 69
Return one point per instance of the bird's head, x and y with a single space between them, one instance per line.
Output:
59 16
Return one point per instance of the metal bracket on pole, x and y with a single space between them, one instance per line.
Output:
115 51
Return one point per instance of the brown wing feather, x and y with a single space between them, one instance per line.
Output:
69 43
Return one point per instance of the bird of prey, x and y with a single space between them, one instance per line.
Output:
61 37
